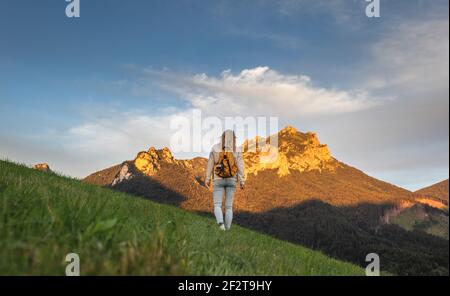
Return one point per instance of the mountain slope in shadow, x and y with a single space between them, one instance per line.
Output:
350 233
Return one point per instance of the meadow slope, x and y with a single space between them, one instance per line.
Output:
45 216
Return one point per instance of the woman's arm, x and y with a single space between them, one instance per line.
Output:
240 168
209 168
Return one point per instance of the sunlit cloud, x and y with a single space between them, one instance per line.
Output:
262 91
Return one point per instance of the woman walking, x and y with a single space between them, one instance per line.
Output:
226 167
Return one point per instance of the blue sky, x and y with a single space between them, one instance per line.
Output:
87 89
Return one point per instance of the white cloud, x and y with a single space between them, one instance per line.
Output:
120 135
263 91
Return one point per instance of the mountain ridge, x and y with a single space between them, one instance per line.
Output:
299 154
435 195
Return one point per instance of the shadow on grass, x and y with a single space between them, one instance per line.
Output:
346 233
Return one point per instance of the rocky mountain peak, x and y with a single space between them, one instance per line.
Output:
150 162
296 151
288 130
43 167
163 154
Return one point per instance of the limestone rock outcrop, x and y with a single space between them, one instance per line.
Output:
123 175
43 167
149 162
288 150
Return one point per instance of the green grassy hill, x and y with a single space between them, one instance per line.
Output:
45 216
423 218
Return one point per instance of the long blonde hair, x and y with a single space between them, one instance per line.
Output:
224 138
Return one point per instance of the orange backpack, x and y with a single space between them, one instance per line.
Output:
226 167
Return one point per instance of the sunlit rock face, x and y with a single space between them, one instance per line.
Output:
150 162
43 167
295 151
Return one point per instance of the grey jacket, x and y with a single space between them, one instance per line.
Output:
214 159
